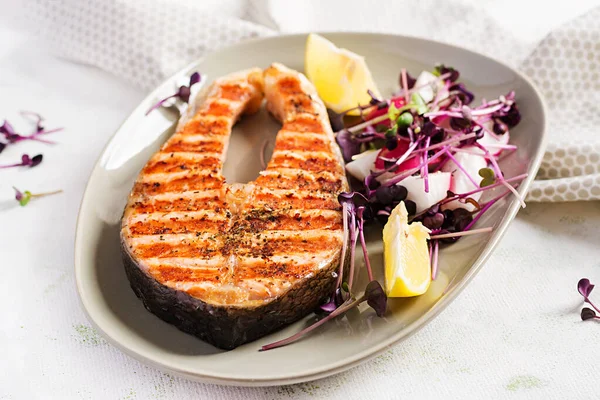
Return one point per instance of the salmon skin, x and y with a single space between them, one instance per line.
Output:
230 263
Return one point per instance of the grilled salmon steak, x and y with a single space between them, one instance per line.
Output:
230 263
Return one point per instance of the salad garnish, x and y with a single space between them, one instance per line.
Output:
585 287
183 93
9 136
26 161
429 150
24 197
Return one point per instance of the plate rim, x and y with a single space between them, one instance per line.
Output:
366 354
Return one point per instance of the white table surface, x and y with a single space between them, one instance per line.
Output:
513 333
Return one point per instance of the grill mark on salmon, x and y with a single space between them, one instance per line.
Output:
189 201
294 220
178 162
201 146
303 143
168 273
193 182
162 227
232 262
185 249
303 124
323 181
305 161
207 127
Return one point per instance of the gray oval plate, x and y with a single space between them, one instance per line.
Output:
114 310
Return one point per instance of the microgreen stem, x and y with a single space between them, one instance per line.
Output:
483 210
347 305
425 170
458 138
11 165
434 260
344 248
405 86
587 300
499 174
462 233
361 235
402 158
417 88
462 195
46 193
353 238
459 165
160 103
408 173
376 120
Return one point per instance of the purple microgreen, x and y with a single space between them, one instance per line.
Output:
588 313
37 118
512 117
488 175
24 197
374 100
183 93
585 287
194 78
347 305
348 145
434 221
460 91
26 161
376 297
336 120
441 69
460 234
7 129
388 195
330 306
11 136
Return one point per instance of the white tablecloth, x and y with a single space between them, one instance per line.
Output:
513 333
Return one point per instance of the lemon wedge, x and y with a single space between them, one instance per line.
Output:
405 255
341 77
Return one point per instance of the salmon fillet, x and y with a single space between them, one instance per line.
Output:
232 262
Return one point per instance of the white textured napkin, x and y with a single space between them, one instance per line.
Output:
145 41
